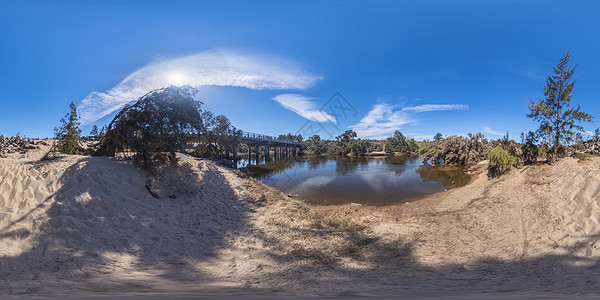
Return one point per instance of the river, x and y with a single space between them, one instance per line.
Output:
365 180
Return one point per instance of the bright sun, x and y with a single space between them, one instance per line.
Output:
176 79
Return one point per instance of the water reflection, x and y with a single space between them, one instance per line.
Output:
367 180
448 175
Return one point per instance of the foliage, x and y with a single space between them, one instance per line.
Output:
456 149
94 131
67 134
500 161
529 149
438 137
348 143
218 136
558 121
357 146
155 124
345 137
103 130
316 145
399 143
509 145
290 137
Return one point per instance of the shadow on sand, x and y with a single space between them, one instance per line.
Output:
99 224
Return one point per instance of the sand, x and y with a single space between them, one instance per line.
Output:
77 226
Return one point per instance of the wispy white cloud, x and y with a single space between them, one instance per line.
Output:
435 107
381 121
384 118
214 68
529 72
303 106
489 130
418 136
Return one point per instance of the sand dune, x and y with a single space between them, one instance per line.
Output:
77 225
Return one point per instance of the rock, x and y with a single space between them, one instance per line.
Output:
355 204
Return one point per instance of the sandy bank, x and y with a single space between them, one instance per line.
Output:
79 225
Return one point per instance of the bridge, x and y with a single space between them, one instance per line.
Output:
279 147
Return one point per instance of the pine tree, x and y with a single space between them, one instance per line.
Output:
68 133
558 121
94 131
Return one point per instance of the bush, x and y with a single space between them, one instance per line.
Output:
500 161
456 150
530 151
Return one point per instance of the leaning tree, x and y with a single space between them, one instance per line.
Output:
156 124
559 122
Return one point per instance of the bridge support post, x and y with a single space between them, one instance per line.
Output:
235 157
267 150
257 155
249 154
183 144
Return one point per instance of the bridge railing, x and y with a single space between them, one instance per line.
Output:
258 136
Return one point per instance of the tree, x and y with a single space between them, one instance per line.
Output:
315 145
94 131
558 121
103 130
398 142
345 137
155 124
67 134
218 135
438 137
290 137
529 149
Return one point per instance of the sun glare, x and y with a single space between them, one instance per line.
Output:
176 78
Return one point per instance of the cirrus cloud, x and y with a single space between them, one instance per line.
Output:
384 118
303 106
210 68
489 130
435 107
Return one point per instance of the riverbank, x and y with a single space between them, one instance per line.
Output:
80 225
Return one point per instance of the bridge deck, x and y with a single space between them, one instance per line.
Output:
253 139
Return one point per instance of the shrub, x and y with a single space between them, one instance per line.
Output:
456 150
500 161
530 151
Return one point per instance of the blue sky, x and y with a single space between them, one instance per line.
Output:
417 66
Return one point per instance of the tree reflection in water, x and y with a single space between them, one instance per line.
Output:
448 175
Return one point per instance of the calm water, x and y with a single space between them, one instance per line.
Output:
366 180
